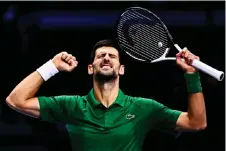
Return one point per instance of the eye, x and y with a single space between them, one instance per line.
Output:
101 56
113 56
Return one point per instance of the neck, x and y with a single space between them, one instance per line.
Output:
106 92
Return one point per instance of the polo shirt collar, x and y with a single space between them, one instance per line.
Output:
94 103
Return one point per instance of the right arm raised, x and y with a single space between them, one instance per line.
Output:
22 98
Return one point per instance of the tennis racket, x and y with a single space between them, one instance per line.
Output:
143 36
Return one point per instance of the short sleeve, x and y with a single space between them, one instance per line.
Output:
57 108
158 115
165 117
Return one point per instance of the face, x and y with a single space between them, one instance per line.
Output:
106 64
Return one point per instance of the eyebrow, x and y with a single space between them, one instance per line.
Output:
101 53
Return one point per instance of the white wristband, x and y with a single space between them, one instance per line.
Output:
47 70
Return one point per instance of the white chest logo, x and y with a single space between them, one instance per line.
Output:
130 116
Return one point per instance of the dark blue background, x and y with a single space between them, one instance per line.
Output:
33 32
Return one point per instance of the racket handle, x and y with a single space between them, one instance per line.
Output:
178 47
219 75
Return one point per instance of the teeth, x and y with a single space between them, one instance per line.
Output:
106 66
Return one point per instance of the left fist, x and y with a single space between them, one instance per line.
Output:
184 60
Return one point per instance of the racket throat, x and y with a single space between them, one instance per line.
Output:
163 57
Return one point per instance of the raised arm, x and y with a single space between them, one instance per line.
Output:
22 98
195 117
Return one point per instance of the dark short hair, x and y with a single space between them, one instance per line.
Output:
105 43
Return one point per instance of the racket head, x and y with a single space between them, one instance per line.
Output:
142 35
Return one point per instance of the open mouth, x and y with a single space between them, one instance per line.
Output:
106 66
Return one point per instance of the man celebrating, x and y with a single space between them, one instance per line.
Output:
106 118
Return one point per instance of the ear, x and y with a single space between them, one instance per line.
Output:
121 70
90 69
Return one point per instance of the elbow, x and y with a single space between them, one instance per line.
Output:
204 126
10 102
200 126
13 102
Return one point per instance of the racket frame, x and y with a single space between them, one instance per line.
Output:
219 75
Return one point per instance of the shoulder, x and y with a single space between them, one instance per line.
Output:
66 100
141 102
61 98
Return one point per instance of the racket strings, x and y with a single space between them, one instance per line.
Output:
143 35
143 45
125 42
146 44
147 36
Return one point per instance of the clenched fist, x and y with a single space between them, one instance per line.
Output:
188 59
65 62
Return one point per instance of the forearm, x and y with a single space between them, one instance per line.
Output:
196 104
196 109
27 88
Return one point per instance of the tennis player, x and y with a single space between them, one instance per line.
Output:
106 118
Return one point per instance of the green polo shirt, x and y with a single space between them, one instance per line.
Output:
93 127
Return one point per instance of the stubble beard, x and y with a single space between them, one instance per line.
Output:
102 77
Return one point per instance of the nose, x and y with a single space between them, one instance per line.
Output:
106 57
